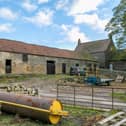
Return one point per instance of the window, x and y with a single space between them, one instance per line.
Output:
25 57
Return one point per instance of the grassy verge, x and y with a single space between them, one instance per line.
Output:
19 78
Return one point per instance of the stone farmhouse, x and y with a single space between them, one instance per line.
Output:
22 58
101 50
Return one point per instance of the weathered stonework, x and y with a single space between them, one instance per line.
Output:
100 49
36 64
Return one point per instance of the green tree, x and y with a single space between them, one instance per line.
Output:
117 25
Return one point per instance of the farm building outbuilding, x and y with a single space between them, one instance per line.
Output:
22 58
101 50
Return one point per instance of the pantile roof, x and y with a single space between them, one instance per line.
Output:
21 47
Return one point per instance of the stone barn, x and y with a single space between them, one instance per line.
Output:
22 58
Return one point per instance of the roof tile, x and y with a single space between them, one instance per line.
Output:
21 47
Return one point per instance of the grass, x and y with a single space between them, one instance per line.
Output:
120 95
80 111
11 120
13 78
23 77
77 116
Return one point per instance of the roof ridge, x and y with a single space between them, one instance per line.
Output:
95 41
36 45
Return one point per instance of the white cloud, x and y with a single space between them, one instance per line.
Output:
92 20
6 27
42 18
62 4
6 13
73 33
43 1
80 9
29 6
83 6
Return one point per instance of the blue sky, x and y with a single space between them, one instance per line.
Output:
55 23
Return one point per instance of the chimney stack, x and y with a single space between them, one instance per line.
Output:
79 41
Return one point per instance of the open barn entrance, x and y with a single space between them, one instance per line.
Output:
50 67
63 68
8 66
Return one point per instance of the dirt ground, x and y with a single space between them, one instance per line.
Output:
50 83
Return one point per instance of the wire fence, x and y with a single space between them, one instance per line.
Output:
92 96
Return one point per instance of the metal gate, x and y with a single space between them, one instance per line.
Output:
92 96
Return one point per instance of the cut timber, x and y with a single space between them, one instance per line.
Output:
120 122
119 79
110 118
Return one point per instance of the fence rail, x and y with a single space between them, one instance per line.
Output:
92 96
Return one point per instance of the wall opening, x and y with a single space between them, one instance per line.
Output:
63 68
25 57
8 66
77 65
50 67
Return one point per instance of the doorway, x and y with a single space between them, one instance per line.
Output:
50 67
8 66
63 68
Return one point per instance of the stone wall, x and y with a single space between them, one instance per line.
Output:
36 64
100 57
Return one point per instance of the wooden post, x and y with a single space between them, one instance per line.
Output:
0 109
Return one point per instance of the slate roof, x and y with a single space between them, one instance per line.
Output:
94 46
21 47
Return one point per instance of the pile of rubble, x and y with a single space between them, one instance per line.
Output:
21 89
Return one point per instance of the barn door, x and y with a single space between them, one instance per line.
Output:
8 66
50 67
63 68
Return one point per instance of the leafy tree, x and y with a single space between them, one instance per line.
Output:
117 25
119 55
